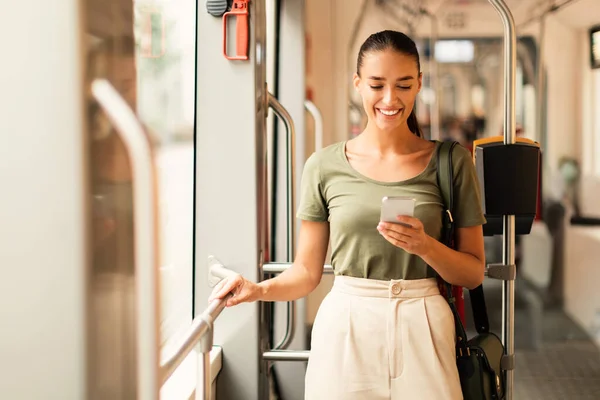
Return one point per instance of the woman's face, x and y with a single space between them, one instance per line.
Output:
389 82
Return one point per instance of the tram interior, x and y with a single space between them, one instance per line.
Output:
74 233
554 336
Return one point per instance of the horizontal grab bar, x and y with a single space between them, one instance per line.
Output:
286 355
277 268
199 332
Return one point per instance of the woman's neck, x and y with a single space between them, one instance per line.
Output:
398 141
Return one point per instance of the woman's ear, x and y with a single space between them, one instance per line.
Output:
356 82
420 81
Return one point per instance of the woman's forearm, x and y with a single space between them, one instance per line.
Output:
456 268
292 284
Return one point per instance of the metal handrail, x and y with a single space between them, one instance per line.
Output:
508 234
314 111
539 106
277 268
200 333
285 116
286 355
139 149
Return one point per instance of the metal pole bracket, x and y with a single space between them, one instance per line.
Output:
501 271
217 272
507 362
206 342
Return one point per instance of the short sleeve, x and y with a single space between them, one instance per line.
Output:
313 206
467 198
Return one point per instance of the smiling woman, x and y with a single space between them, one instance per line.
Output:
384 326
393 77
385 285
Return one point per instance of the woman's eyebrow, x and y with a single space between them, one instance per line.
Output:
404 78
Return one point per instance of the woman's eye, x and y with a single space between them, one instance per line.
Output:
399 87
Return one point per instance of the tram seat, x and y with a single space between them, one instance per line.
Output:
540 267
534 277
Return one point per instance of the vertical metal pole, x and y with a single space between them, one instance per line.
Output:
291 166
203 375
207 376
508 236
286 118
290 150
540 137
316 114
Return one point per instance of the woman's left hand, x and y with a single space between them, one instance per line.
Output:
411 239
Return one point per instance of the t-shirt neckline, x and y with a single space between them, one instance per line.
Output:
430 164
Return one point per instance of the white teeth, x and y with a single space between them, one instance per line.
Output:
386 112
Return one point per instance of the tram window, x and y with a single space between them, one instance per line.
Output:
165 32
454 51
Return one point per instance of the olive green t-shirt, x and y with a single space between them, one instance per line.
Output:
332 190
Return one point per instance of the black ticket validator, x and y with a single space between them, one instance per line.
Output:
508 180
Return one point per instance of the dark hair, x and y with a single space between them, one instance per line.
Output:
401 43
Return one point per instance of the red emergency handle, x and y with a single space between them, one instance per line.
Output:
240 11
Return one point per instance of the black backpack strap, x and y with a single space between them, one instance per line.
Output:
445 178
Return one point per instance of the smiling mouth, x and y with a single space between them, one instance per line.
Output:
389 113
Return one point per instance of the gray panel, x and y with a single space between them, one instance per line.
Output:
228 118
43 228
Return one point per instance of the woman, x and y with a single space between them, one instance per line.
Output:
384 331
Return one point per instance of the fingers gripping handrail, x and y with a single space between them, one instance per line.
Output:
508 253
283 114
139 148
316 114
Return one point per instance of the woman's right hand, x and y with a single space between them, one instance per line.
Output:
242 290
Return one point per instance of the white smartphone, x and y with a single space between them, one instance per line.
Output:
393 206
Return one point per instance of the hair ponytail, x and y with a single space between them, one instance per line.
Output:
413 124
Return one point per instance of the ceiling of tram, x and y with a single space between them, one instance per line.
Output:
522 10
515 5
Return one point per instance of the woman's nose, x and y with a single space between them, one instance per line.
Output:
389 96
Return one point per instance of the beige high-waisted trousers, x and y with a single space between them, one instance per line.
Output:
377 340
